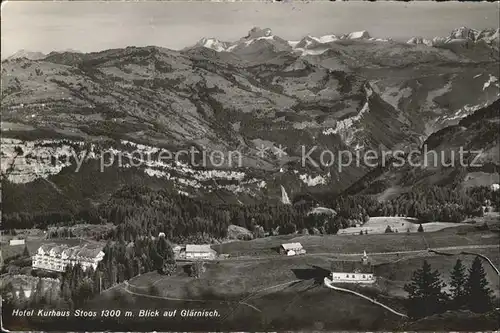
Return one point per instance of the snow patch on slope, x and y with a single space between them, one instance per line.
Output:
357 35
492 79
312 181
462 113
343 125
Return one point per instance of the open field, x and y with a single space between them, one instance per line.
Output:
393 275
23 234
303 304
231 279
492 219
283 293
235 278
262 291
276 295
9 251
377 225
458 236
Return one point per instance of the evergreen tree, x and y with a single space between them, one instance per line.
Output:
66 292
420 228
52 297
9 298
165 257
83 292
26 252
425 293
164 248
457 285
21 298
197 269
477 294
38 296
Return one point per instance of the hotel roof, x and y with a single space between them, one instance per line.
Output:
88 251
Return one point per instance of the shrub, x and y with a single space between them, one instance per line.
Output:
197 269
168 268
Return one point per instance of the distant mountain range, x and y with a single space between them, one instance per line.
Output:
349 92
35 55
462 35
316 45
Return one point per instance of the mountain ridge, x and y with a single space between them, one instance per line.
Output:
346 94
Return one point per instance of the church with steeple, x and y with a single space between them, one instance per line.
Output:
353 271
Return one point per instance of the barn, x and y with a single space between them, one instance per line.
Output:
200 252
292 249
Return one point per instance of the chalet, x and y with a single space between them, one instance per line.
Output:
199 252
292 249
53 257
353 271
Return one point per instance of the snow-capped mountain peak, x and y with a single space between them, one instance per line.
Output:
213 43
419 40
259 39
465 33
257 32
357 35
461 35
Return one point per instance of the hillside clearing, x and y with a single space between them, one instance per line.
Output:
465 235
377 225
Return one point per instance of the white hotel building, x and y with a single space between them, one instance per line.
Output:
54 257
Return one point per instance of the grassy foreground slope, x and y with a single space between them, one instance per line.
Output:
271 295
282 293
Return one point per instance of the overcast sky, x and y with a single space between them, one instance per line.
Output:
93 26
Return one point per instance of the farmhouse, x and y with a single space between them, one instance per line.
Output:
200 252
16 242
291 249
54 257
353 271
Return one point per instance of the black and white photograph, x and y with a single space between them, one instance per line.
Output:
239 166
